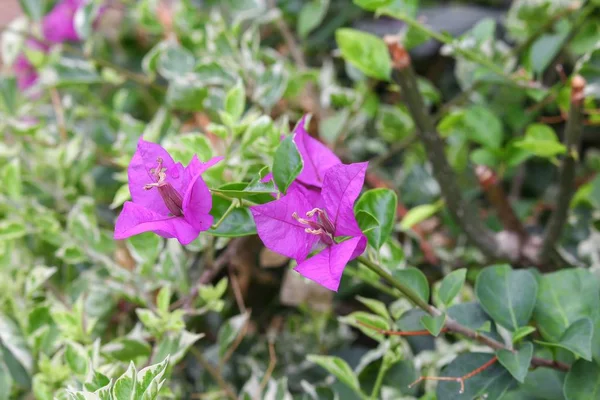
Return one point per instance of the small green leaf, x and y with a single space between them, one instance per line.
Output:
311 15
541 140
175 61
163 299
483 126
415 279
338 368
382 205
419 214
229 331
372 5
433 324
238 223
517 363
366 52
451 285
582 381
77 358
366 322
522 332
149 375
186 93
507 296
287 164
577 339
235 101
127 349
376 306
11 229
11 179
36 9
125 385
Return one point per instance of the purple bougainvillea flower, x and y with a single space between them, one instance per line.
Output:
167 198
25 72
295 226
316 156
58 25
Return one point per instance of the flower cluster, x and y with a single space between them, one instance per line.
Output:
313 223
58 26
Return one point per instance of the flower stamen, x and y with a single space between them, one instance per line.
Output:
170 196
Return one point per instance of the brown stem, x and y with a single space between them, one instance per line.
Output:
215 372
572 138
488 180
405 77
459 379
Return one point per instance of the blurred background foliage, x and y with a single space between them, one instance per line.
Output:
80 311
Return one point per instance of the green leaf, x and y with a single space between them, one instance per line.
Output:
394 123
163 299
311 15
483 126
36 9
149 377
186 93
547 46
121 196
366 52
577 339
238 223
433 324
359 319
287 164
418 214
175 345
366 221
235 101
70 72
372 5
175 61
583 381
229 331
493 382
541 140
451 285
381 204
125 385
516 363
507 296
338 368
15 352
83 20
378 307
563 298
522 332
11 179
127 349
5 382
415 279
37 277
77 358
11 229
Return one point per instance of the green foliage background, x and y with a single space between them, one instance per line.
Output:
83 316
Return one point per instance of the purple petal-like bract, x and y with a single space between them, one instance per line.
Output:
25 72
58 25
148 212
341 187
316 156
279 231
285 227
327 267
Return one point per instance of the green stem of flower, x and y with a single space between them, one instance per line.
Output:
379 380
242 202
232 207
406 291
